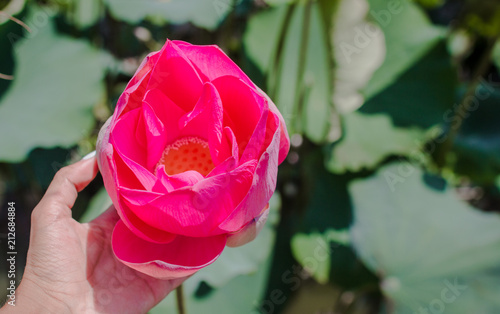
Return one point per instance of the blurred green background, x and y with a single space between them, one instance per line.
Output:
389 199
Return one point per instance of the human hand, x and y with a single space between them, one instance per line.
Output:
71 267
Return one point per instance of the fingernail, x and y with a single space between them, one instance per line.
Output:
89 155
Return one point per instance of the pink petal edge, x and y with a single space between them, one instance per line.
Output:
179 258
211 62
250 231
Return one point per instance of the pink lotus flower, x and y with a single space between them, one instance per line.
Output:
190 160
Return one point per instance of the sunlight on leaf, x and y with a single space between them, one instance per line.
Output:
423 241
57 82
261 40
408 35
369 139
422 96
359 49
208 14
86 13
13 8
313 252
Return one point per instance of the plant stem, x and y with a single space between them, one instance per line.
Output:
459 114
299 87
181 308
333 132
274 74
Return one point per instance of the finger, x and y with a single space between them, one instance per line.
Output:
67 182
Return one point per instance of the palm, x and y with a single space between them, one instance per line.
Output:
82 263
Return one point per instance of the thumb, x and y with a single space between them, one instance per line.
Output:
63 190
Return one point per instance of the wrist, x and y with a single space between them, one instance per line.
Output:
30 297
